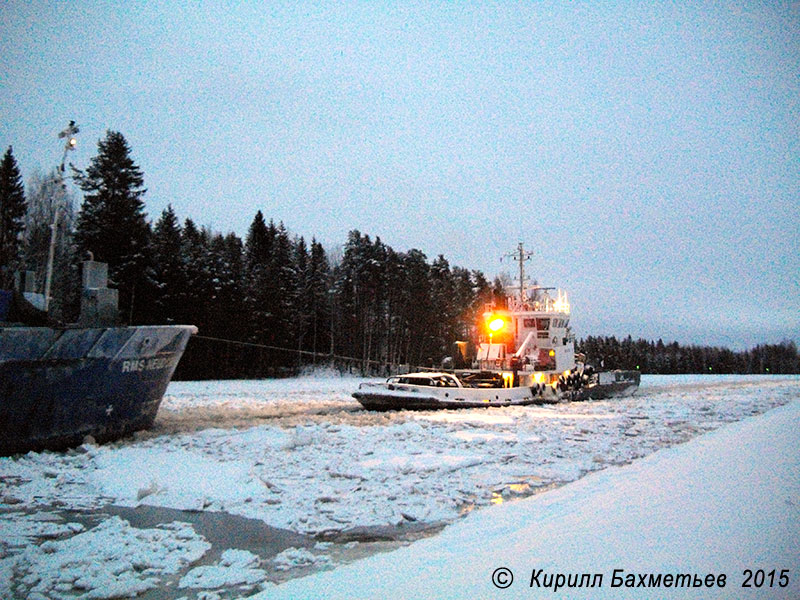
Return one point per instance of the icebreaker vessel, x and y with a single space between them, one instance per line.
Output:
525 355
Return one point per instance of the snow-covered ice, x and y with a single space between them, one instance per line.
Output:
236 567
300 454
720 504
291 558
107 561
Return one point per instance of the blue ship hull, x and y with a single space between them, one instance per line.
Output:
58 385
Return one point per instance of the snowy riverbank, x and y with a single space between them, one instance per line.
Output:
300 454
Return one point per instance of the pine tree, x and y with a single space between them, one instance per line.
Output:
360 291
395 323
112 224
466 310
444 307
12 216
419 310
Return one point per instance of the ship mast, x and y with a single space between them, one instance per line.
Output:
521 256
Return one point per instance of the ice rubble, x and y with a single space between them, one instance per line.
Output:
236 567
110 560
721 504
304 457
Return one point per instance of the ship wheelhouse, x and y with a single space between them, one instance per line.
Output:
531 337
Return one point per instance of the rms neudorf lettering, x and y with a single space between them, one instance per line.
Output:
147 364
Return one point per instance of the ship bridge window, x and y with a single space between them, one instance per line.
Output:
529 323
542 324
417 381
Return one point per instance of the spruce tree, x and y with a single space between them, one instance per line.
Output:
285 280
112 223
357 295
396 324
301 308
419 310
197 273
12 217
442 292
259 287
228 315
318 278
169 272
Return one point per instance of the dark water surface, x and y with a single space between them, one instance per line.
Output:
225 531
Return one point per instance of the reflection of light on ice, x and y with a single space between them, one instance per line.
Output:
514 489
519 488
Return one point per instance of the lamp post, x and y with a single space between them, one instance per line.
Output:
68 134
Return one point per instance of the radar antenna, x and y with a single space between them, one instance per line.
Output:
521 257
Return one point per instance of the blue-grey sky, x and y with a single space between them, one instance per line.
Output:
647 153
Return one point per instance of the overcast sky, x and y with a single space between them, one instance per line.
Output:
647 153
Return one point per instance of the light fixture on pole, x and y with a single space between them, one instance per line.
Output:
68 134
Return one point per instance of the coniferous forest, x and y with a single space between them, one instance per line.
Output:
273 303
